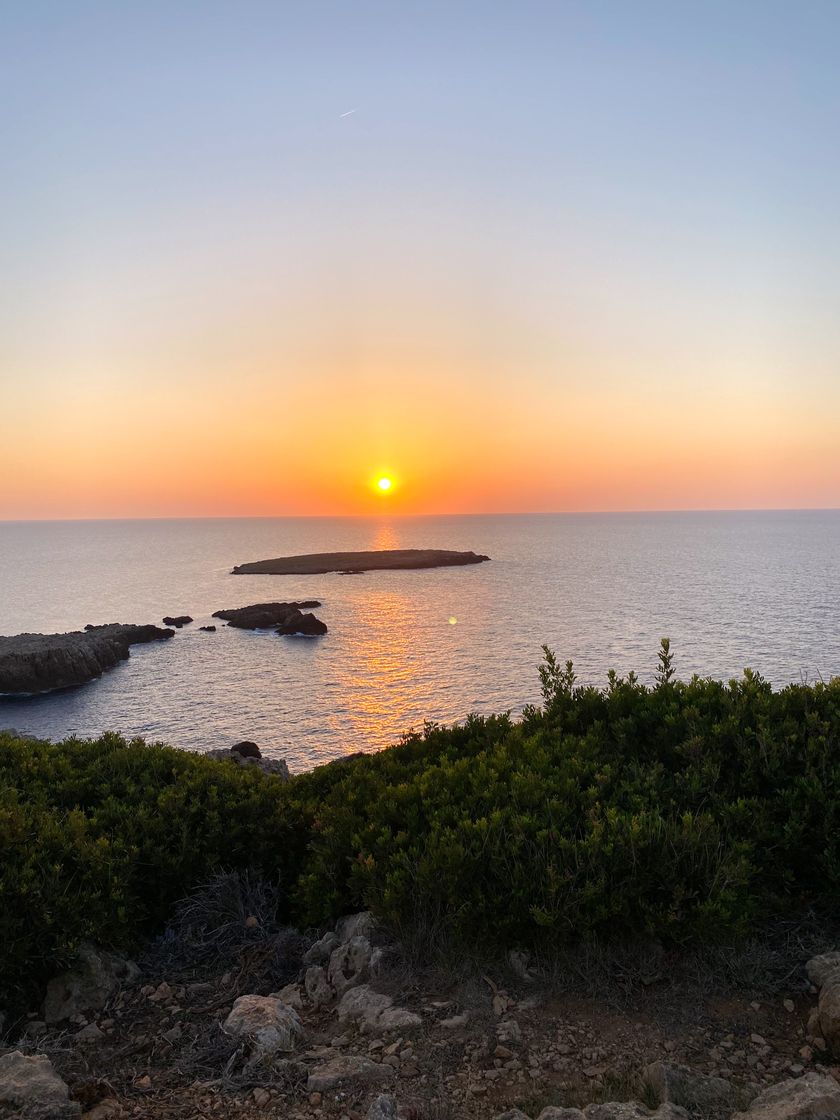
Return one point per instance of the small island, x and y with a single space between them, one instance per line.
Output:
393 559
288 619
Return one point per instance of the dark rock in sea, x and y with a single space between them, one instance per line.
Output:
209 629
178 621
303 626
348 563
246 749
262 616
35 663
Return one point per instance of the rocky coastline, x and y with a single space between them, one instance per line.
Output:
396 559
31 664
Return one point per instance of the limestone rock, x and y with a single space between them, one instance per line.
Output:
89 985
375 1011
276 766
318 989
695 1091
348 1067
349 964
384 1107
89 1035
361 924
820 968
32 1090
320 950
364 1006
291 995
800 1098
829 1012
555 1113
270 1025
632 1110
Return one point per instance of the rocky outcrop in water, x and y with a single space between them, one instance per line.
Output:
349 563
35 663
177 620
285 618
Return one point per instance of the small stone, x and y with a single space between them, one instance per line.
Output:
261 1097
144 1083
89 1034
315 1099
789 1005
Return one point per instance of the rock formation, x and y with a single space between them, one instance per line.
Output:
177 621
348 563
88 986
35 663
249 755
31 1089
287 618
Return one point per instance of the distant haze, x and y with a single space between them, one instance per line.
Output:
516 256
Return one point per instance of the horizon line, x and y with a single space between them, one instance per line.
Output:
416 516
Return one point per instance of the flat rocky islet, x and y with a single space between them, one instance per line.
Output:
36 663
347 563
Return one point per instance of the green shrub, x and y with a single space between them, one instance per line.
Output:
685 810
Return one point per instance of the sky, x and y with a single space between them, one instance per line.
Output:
514 256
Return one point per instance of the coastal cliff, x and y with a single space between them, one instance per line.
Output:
35 663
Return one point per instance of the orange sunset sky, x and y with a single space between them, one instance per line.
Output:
517 258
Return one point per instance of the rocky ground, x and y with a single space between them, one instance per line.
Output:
280 1026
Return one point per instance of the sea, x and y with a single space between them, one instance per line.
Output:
730 589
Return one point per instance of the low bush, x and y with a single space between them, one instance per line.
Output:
684 810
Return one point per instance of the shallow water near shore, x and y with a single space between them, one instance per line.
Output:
730 589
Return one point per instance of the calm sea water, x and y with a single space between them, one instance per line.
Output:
730 589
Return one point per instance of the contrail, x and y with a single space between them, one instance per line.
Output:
349 113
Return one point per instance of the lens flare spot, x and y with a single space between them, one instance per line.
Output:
453 621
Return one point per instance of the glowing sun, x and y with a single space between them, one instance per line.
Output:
384 484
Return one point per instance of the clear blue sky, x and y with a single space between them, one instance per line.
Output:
579 220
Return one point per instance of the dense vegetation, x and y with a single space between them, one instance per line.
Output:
682 810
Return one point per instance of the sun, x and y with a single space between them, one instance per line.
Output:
384 484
